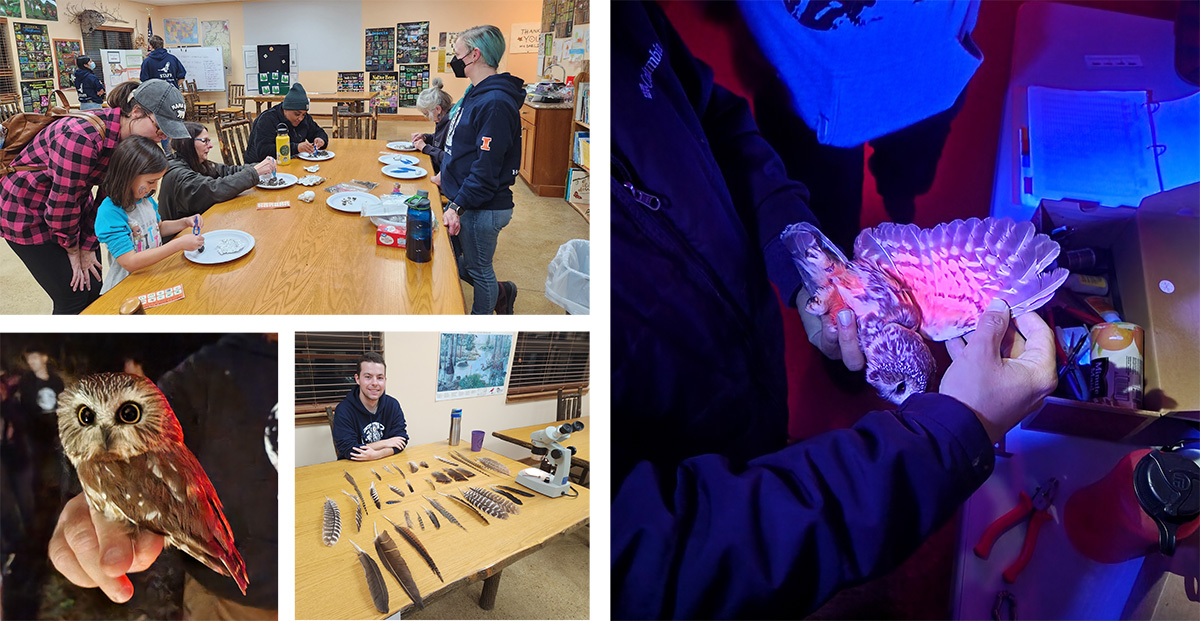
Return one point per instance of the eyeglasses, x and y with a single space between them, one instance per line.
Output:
204 140
156 127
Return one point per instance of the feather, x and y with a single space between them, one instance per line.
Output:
396 489
483 503
375 496
377 477
464 472
392 502
509 506
420 522
357 512
494 465
424 465
385 469
331 530
357 491
468 461
469 506
412 465
516 491
440 476
433 519
431 485
412 540
386 548
407 519
440 509
443 459
507 495
454 474
379 592
410 489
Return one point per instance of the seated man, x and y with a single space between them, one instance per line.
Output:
368 424
304 135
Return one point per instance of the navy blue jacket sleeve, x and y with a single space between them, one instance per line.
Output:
783 535
497 125
396 426
345 435
145 75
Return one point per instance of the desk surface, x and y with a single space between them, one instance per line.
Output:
578 439
309 258
329 580
334 97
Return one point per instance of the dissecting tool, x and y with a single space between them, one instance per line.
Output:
1037 509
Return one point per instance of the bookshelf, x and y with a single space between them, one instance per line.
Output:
578 173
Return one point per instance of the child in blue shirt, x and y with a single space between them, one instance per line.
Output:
127 222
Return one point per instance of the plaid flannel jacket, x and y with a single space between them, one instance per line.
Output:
56 204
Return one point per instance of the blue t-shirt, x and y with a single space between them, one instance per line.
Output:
126 231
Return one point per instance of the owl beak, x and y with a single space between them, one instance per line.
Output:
107 431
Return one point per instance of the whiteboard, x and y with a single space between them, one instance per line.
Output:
205 65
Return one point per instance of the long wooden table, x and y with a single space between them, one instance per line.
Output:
356 101
309 258
578 439
329 580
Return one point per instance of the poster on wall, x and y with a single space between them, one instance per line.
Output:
413 80
216 34
33 51
445 50
548 16
381 49
181 31
472 365
547 52
35 96
524 38
350 82
41 9
10 8
412 43
581 12
386 84
65 52
119 66
274 64
564 17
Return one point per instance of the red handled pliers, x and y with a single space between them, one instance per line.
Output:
1038 506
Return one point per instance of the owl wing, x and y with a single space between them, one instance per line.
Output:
955 269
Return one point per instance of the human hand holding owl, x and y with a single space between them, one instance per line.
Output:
92 551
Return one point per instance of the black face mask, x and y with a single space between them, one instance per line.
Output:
459 67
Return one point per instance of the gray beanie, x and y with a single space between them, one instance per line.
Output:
296 98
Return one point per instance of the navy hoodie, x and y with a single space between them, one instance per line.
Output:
354 425
88 86
483 148
159 65
725 520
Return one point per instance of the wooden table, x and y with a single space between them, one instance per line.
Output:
578 439
329 580
309 258
356 101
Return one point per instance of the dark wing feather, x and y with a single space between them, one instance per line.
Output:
379 592
516 491
433 519
386 548
357 491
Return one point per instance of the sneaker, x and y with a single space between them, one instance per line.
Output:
504 302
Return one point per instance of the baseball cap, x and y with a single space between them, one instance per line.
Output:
165 102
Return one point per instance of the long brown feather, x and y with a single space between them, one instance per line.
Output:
379 591
468 461
468 506
412 540
494 465
331 529
357 512
440 509
386 548
356 490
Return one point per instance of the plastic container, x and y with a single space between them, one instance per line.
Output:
568 278
419 224
477 440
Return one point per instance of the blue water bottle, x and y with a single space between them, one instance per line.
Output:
419 247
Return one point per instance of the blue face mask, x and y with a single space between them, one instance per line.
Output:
91 65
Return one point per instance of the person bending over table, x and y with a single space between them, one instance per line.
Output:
304 135
368 424
194 183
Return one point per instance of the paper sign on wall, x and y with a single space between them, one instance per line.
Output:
524 38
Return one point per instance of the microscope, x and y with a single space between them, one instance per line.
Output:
555 457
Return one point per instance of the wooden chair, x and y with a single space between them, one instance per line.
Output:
570 404
8 108
355 125
203 109
237 105
63 102
234 137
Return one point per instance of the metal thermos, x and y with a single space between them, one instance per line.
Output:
455 426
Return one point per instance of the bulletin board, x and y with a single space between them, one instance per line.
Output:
35 96
65 52
387 99
205 65
274 69
412 43
381 49
413 80
350 82
120 66
33 51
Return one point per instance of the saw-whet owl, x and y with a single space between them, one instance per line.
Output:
126 444
906 283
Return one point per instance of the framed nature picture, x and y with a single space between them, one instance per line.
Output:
41 9
65 53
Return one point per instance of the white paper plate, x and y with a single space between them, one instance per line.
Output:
401 145
399 158
327 155
221 247
354 201
400 171
288 180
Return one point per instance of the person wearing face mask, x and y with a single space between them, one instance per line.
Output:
47 208
483 155
434 103
304 135
194 183
368 424
89 87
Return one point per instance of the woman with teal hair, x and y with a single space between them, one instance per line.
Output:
483 155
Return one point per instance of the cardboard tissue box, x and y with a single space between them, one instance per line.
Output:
390 235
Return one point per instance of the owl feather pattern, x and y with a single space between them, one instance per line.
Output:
906 283
127 446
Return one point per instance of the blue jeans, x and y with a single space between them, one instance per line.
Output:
90 106
479 234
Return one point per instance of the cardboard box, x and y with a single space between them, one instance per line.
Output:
1156 256
390 235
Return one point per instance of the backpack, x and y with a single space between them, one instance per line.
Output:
17 132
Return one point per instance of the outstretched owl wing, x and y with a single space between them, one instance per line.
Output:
955 269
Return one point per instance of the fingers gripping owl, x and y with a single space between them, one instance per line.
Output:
126 444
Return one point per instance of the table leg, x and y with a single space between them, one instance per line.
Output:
487 600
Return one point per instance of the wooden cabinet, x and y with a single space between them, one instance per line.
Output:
545 149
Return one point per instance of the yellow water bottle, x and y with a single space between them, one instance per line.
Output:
283 148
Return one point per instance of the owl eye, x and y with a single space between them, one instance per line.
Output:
900 388
129 413
85 415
